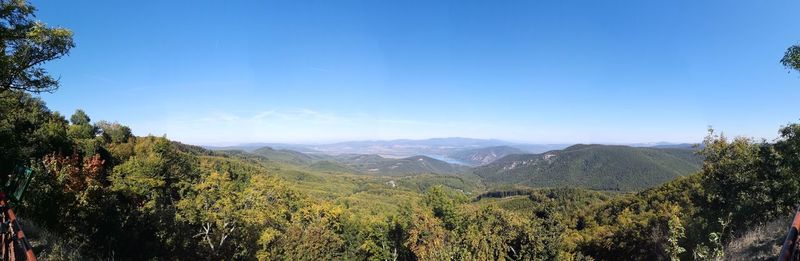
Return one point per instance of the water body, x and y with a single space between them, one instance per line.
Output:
446 159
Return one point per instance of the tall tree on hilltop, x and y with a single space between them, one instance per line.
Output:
27 44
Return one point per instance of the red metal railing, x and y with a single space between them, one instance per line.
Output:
15 245
790 249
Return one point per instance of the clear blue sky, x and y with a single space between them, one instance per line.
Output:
216 72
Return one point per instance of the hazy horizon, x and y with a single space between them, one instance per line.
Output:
227 144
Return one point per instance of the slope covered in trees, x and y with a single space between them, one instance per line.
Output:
98 194
482 156
370 164
288 156
602 167
377 165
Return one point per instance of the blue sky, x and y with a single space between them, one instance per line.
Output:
222 72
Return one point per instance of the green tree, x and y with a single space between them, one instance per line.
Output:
217 208
80 118
81 127
791 59
27 44
746 181
268 208
314 234
28 131
371 235
488 235
114 132
152 181
788 147
676 232
69 198
425 235
443 206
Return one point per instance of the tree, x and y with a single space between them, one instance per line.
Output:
217 208
791 59
268 207
28 131
426 236
676 233
314 234
152 181
79 117
114 132
27 44
487 234
83 134
443 206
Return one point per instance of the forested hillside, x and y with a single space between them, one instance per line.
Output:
99 188
377 165
602 167
369 164
482 156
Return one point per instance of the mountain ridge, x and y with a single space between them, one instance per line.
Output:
483 156
594 166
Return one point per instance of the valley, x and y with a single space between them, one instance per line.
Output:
597 167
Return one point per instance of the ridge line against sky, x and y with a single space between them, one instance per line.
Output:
205 72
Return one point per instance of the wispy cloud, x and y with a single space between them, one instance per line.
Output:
308 116
299 124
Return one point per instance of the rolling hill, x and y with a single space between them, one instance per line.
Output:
288 156
377 165
359 163
601 167
483 156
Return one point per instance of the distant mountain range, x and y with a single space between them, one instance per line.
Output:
356 163
438 148
465 151
602 167
406 148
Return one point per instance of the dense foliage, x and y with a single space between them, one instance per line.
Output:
100 189
26 45
743 183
